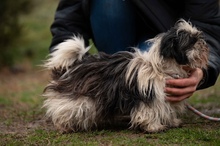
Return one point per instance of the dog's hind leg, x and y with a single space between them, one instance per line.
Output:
71 114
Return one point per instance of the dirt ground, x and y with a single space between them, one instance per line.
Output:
21 100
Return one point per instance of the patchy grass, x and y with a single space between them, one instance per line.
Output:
22 120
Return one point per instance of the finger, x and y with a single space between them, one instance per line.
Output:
181 82
180 91
177 98
187 68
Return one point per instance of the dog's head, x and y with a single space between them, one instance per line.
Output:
185 44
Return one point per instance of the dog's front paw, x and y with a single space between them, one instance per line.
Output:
176 123
154 128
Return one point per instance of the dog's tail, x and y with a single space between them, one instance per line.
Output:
66 53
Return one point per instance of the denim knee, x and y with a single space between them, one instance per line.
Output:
113 25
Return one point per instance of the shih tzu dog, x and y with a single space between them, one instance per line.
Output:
87 90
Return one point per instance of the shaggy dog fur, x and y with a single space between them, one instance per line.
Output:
87 90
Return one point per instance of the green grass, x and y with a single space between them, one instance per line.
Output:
22 120
182 136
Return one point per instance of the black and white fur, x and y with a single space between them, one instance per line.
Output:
87 90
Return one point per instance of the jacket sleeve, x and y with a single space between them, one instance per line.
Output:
69 20
205 14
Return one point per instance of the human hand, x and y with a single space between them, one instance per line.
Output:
180 89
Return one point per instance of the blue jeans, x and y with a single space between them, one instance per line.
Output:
113 26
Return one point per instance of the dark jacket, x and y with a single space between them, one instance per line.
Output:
155 16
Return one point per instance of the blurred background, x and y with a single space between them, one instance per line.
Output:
24 32
24 41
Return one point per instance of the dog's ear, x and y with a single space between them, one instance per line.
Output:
175 44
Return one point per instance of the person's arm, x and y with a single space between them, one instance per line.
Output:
69 21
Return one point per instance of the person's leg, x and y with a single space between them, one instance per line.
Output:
113 25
